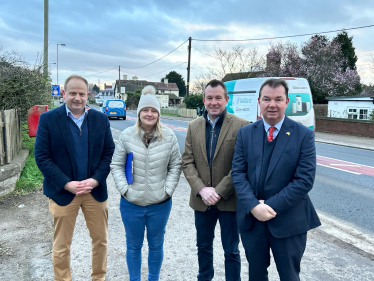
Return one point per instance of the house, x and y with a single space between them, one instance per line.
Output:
241 75
351 107
107 93
169 91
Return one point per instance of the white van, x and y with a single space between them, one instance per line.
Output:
244 93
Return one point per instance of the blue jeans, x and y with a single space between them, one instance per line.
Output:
135 219
205 223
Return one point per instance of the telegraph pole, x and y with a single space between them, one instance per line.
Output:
188 67
119 81
45 53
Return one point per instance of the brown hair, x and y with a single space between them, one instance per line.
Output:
275 83
215 83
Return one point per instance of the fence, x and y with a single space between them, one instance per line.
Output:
188 113
184 112
320 110
171 110
10 135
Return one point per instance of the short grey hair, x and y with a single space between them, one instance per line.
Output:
74 76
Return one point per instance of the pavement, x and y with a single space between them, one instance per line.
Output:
326 257
331 138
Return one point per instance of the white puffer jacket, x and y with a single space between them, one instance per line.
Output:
156 169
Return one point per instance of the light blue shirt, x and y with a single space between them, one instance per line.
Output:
277 126
213 123
77 121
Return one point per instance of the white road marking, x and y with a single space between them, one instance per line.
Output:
346 165
338 169
345 161
346 233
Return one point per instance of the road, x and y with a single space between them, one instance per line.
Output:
342 194
340 190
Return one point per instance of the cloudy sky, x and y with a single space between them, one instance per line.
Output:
101 35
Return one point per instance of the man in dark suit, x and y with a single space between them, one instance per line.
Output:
273 170
73 150
207 159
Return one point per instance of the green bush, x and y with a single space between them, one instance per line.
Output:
371 117
133 99
194 101
22 85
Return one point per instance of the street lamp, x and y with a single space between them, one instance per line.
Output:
57 59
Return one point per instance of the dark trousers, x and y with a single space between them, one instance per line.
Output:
287 252
205 223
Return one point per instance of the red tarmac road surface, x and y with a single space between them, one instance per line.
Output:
341 165
345 166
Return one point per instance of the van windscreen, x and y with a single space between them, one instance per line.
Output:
115 104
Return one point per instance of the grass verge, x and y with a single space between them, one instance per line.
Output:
170 114
31 177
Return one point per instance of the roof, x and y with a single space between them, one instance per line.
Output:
163 86
171 96
361 98
139 84
241 75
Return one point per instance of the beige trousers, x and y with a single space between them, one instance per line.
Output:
96 216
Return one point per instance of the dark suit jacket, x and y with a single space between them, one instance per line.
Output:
54 153
196 167
289 178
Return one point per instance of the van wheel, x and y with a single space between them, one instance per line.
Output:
124 118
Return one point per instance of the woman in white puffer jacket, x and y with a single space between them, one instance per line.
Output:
146 203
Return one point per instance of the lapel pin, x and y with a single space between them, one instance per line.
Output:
288 133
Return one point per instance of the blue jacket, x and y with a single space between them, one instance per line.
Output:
54 153
289 178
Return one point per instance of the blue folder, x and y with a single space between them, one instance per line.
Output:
129 168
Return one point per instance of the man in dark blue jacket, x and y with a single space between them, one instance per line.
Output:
273 170
73 150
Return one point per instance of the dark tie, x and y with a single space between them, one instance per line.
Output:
270 136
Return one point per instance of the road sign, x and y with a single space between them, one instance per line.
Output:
55 90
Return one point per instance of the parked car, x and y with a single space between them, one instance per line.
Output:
114 108
62 100
99 102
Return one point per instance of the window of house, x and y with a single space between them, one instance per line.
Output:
363 114
352 113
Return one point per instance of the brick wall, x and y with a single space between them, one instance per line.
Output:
345 126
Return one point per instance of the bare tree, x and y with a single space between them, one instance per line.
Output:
236 60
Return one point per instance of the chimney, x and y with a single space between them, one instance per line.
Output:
165 80
134 78
124 77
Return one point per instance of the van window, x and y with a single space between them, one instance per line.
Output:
115 104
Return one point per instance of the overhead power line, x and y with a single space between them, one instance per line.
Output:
101 72
157 59
204 52
166 69
281 37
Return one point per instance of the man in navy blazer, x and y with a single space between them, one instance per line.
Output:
73 150
273 170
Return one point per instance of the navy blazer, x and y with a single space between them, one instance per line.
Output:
54 153
290 176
